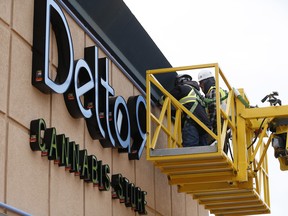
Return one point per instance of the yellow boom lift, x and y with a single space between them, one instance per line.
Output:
232 183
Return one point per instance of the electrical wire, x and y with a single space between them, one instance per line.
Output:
257 134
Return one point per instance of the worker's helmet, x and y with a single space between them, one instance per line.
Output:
181 78
204 74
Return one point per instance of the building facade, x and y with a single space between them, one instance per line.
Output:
37 184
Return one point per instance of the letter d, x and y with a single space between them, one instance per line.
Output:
43 15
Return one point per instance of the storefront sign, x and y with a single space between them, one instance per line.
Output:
67 154
85 85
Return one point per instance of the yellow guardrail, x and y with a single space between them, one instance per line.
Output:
174 134
244 167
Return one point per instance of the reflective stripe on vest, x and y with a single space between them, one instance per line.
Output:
223 95
191 97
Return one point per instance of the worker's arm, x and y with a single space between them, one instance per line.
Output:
212 108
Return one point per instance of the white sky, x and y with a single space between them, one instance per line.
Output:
249 40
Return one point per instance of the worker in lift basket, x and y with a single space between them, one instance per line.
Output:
186 91
207 83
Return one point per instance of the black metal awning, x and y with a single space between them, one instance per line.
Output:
117 29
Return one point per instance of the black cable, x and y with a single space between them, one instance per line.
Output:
256 134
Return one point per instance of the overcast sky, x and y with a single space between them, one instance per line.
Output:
249 40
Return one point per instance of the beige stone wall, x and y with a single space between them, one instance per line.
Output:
32 183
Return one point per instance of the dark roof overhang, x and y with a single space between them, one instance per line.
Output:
117 29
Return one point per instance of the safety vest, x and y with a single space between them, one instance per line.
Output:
223 97
193 96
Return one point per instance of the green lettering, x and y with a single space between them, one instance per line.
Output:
99 174
74 158
142 210
118 192
92 160
37 130
63 148
132 195
85 174
51 142
106 178
125 185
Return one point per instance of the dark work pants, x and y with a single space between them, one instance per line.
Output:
191 136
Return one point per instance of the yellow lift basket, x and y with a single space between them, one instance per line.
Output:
232 183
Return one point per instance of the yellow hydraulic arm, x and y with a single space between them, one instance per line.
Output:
232 183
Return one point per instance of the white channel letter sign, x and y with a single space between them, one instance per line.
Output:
84 84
